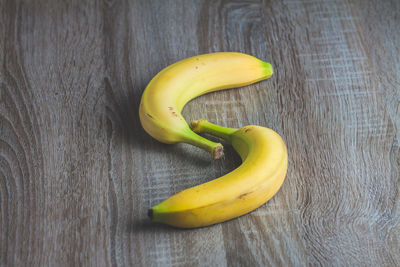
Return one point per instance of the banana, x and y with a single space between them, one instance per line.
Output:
168 92
254 182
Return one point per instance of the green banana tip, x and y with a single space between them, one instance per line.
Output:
268 69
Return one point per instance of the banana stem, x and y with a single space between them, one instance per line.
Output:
215 149
204 126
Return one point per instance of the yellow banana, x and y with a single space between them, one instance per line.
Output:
254 182
168 92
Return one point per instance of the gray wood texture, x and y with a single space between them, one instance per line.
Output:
78 173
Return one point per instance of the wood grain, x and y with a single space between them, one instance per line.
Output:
78 173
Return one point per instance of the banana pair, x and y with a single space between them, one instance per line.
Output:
263 152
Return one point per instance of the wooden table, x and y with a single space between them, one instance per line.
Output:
78 173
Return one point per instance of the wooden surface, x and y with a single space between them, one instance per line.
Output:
78 173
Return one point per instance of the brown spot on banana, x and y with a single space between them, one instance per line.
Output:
243 195
247 129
